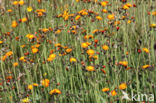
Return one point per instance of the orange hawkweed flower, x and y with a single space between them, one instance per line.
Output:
105 89
1 42
68 50
98 17
122 86
77 17
84 45
104 3
145 66
113 93
90 52
51 57
30 36
34 50
15 64
105 47
15 3
14 24
45 82
55 91
30 87
111 17
124 63
145 50
21 2
90 68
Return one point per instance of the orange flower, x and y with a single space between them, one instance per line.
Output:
90 68
104 3
30 36
1 42
35 84
14 24
90 52
15 64
104 10
45 82
113 93
145 66
24 20
105 89
145 50
34 50
98 17
15 3
68 50
55 91
124 63
77 17
21 2
111 17
105 47
51 57
123 86
84 45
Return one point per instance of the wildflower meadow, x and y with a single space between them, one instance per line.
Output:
77 51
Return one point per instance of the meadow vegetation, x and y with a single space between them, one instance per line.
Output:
77 51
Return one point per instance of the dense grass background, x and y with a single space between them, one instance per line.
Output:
75 83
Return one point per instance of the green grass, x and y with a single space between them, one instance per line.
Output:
77 85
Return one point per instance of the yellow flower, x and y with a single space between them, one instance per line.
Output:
24 19
51 57
72 59
22 58
21 2
105 47
14 24
123 86
90 52
104 3
77 0
45 82
1 42
77 17
30 36
153 25
25 100
90 68
129 21
58 31
15 64
154 13
34 50
98 17
29 9
104 10
145 66
124 63
15 2
105 89
145 50
113 93
30 87
84 45
55 91
111 17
